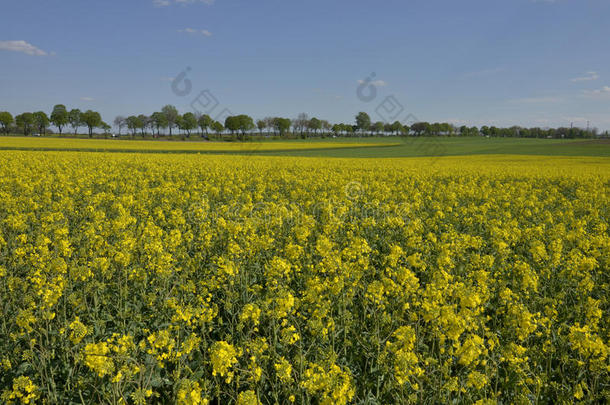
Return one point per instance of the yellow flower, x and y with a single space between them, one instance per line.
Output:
24 390
77 331
476 380
247 398
470 350
250 312
224 357
189 393
331 384
97 358
283 370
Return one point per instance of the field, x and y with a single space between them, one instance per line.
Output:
200 278
375 147
454 146
142 146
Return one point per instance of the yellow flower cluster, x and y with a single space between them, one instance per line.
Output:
223 356
331 384
137 278
77 331
97 358
189 393
24 391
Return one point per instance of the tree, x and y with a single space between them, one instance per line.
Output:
150 123
59 117
435 128
106 128
242 123
42 121
420 128
217 127
269 123
378 127
160 121
261 124
326 126
189 122
75 118
281 125
119 122
232 124
387 128
143 123
171 114
363 121
397 128
300 123
350 129
25 121
245 123
205 122
314 125
337 129
6 120
446 128
179 123
92 119
133 123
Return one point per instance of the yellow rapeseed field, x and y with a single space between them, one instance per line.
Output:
102 145
188 279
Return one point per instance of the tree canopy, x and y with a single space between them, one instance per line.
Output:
59 117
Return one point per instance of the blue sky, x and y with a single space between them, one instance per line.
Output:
474 62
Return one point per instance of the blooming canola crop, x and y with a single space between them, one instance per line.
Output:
137 278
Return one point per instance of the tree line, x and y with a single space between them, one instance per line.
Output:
38 122
169 120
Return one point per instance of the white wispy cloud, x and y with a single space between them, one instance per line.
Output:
537 100
598 92
23 47
379 83
588 76
87 98
205 33
165 3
